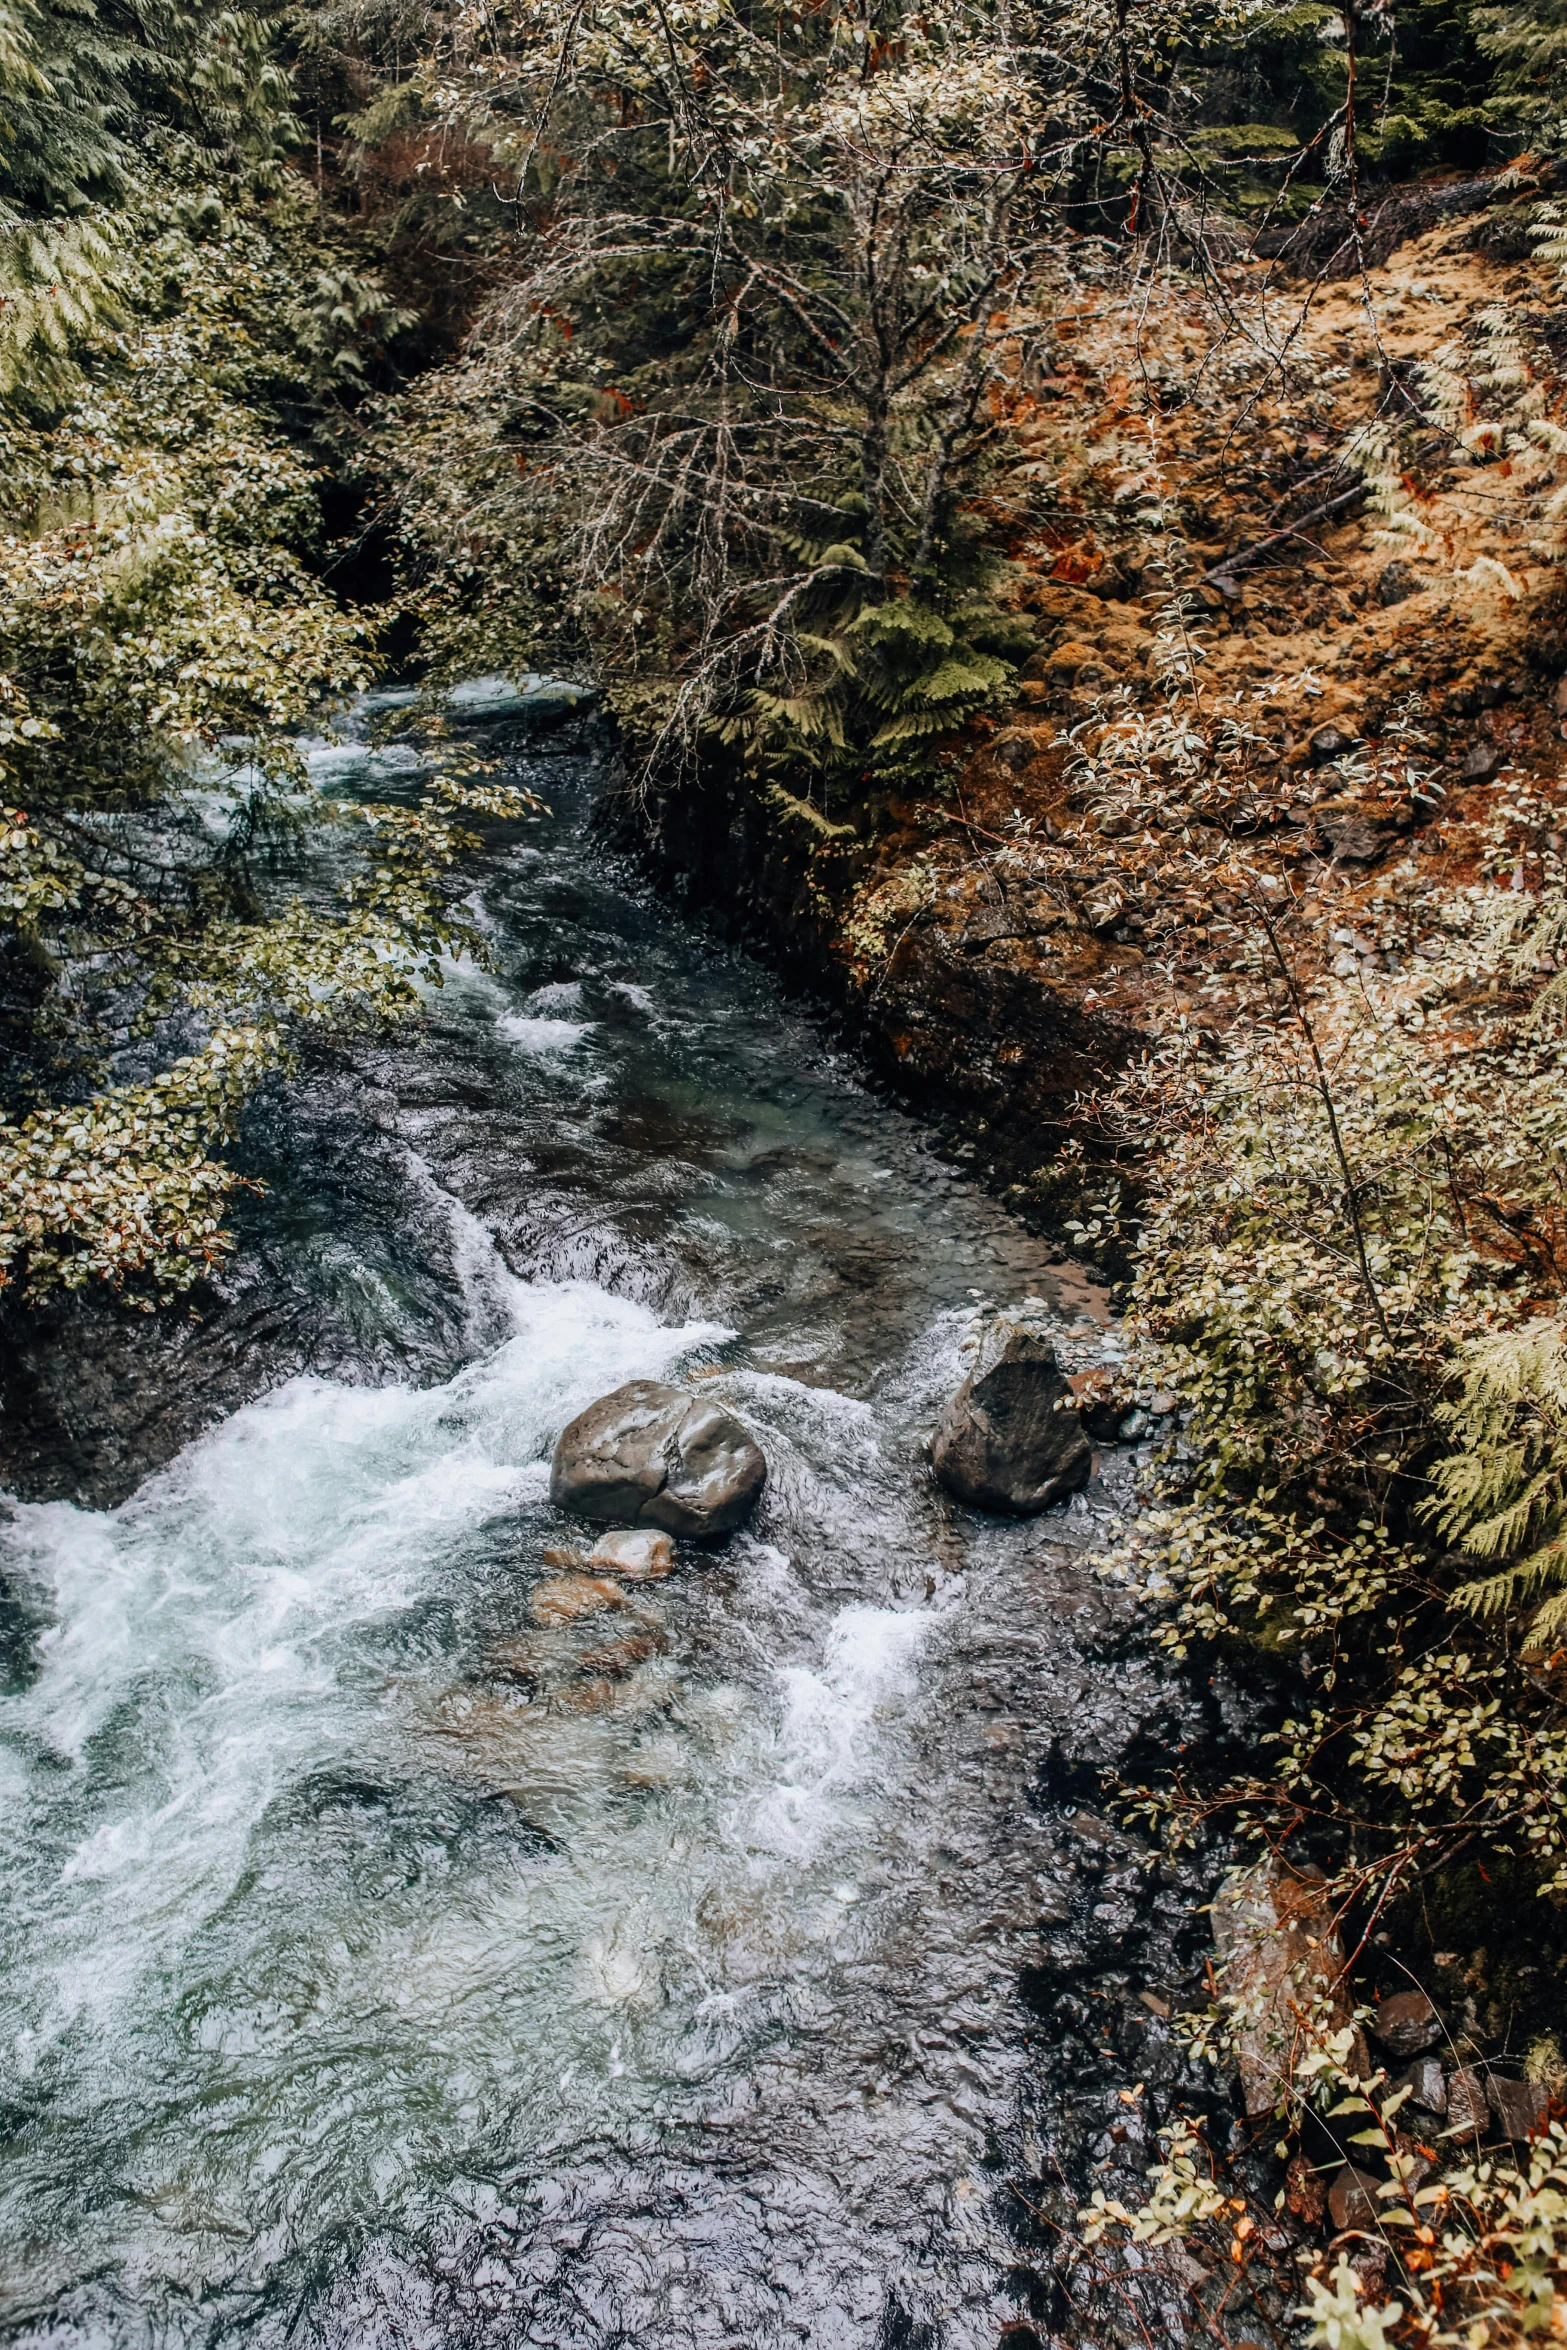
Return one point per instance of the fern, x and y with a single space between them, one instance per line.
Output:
56 286
1504 1494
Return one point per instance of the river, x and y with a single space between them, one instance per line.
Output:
383 1967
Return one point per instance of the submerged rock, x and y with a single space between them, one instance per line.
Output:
651 1455
1010 1439
572 1596
620 1657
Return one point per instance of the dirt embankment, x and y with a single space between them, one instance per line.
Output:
1287 687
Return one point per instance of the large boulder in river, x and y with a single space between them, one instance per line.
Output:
651 1455
1010 1439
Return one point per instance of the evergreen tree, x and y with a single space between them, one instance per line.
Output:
1527 39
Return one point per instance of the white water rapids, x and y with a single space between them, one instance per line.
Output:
358 1935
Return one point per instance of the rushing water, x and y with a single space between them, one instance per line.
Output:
380 1966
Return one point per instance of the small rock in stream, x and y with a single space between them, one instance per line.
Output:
1010 1438
620 1657
650 1455
636 1556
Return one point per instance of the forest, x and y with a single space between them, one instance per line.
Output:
1062 509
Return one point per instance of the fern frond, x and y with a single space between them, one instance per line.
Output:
56 287
1495 1595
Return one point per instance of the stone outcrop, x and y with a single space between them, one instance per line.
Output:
655 1456
1279 1953
1010 1439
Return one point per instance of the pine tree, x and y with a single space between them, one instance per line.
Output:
1527 39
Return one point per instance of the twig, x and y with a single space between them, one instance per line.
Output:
1248 555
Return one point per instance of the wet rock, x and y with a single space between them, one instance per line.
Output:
1010 1438
1517 2107
635 1556
1427 2085
1481 762
1407 2024
573 1596
1352 2199
1468 2108
1278 1948
620 1657
650 1455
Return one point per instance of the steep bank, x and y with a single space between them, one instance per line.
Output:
981 1046
1265 683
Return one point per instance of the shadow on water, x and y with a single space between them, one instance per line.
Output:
737 1967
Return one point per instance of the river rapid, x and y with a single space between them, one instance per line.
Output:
381 1967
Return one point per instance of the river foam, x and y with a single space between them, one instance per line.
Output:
270 1949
